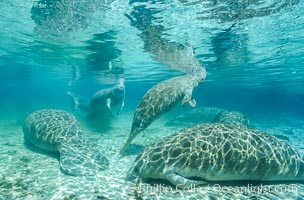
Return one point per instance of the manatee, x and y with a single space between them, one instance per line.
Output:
208 115
110 97
232 117
58 131
102 101
219 152
195 116
161 98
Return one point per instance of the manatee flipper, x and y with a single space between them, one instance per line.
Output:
109 104
77 161
192 103
121 106
188 98
182 181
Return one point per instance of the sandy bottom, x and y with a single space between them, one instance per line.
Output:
25 174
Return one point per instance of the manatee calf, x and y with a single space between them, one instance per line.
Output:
110 97
102 101
232 117
219 152
161 98
58 131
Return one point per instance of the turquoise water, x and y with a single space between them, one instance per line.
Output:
253 52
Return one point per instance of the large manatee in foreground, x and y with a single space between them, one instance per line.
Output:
59 132
219 152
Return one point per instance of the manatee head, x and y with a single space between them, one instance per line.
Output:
119 92
199 72
195 67
119 89
121 83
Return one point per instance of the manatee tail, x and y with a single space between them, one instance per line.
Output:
124 148
78 160
131 137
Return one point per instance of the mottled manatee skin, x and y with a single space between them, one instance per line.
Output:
47 129
195 116
232 117
159 100
220 152
58 131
